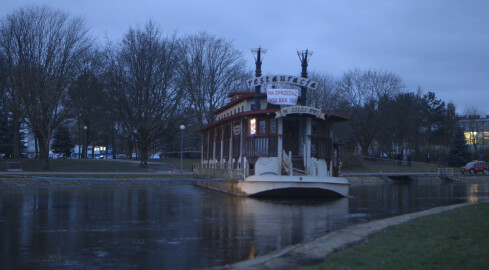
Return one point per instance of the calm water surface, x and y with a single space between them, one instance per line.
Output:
180 226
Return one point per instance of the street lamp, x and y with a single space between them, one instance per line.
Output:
85 149
182 128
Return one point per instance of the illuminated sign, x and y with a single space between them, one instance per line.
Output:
288 79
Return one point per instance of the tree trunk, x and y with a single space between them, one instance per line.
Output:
365 147
44 151
112 139
36 145
16 141
144 154
130 145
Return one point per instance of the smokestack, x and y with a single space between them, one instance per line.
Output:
257 54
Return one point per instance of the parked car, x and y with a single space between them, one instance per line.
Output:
475 166
121 156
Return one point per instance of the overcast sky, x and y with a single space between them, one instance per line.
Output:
441 46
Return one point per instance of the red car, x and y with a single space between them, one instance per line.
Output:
475 166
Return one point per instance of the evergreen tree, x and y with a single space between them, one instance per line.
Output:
62 141
458 152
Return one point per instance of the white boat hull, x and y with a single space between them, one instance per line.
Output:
256 185
283 186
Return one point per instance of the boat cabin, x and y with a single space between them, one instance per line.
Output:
277 140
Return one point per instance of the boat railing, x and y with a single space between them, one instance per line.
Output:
261 146
287 162
321 147
218 170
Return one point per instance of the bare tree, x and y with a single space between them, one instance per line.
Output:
43 48
143 83
210 69
11 98
87 98
325 96
361 92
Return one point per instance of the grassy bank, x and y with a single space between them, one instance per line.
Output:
94 165
353 164
457 239
359 165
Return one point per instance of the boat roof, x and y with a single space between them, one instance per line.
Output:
237 97
332 116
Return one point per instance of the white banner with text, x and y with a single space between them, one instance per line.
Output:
282 96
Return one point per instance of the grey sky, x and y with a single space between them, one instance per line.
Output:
441 46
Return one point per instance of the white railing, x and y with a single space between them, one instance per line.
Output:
287 161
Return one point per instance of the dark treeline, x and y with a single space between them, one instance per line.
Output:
387 120
134 93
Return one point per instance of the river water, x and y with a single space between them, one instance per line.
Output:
181 226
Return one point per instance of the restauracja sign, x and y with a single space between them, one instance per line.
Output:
299 81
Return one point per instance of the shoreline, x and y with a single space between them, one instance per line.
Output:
17 181
317 250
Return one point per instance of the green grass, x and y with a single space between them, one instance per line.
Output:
173 164
457 239
187 163
107 176
94 165
369 166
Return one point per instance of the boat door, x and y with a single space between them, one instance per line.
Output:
291 136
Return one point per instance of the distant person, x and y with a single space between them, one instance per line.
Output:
428 158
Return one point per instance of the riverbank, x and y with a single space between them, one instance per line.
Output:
99 178
430 239
89 180
456 239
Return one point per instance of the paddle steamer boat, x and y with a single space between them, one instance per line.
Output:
271 143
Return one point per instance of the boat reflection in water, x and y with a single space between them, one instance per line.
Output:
179 226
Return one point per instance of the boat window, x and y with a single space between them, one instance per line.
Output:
314 128
273 126
252 125
263 127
